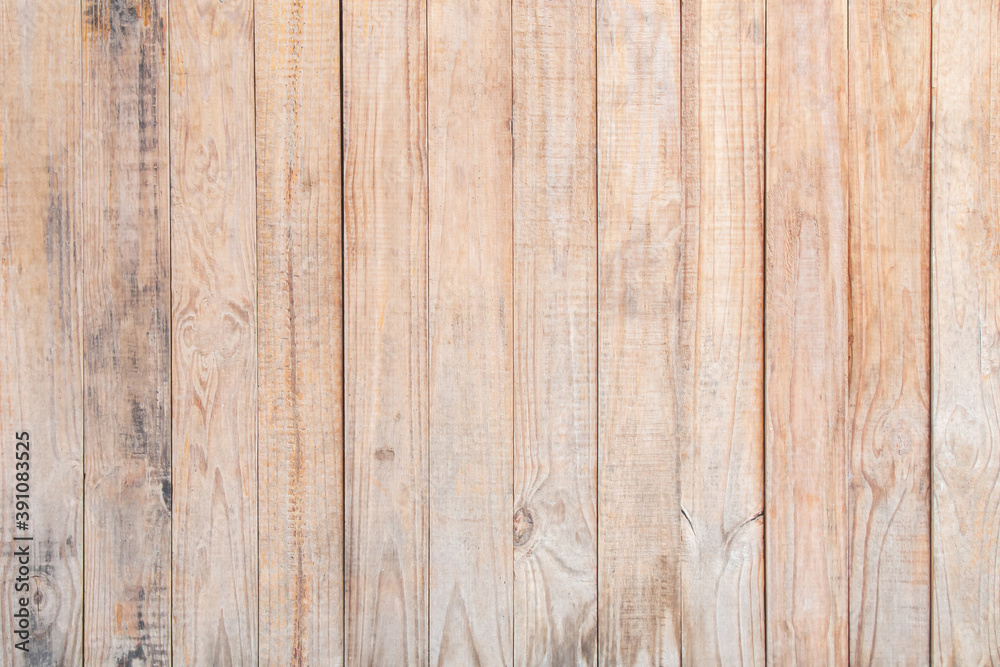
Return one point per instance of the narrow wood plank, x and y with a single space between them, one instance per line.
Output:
889 416
806 339
214 332
470 255
555 333
965 406
722 400
385 208
41 399
639 300
126 333
299 345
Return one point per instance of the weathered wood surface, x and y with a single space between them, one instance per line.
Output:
965 403
888 418
721 435
639 305
41 398
470 362
555 333
385 214
126 333
213 332
299 345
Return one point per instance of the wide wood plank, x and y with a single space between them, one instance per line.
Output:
555 333
721 428
806 333
889 418
965 213
639 301
299 345
470 255
385 208
214 332
41 400
126 333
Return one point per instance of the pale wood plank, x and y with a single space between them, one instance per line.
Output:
965 404
214 333
470 333
806 333
555 333
722 393
299 345
385 180
639 300
126 333
889 417
41 384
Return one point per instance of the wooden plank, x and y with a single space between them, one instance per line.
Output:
965 404
214 332
889 416
721 340
555 333
806 339
385 207
639 300
126 333
470 255
299 345
41 398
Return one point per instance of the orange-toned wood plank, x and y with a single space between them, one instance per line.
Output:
299 333
126 333
385 183
889 416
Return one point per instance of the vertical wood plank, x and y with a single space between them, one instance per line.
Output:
965 317
555 333
806 339
639 298
470 255
385 180
214 332
721 429
299 345
889 417
41 400
126 333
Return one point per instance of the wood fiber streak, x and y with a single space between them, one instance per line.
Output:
299 343
40 344
639 305
806 345
470 252
214 332
385 189
721 407
126 333
965 406
555 333
889 410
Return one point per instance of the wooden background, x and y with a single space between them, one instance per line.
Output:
455 332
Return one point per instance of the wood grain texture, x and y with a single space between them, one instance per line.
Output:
639 300
965 404
385 182
214 332
126 333
470 255
40 344
721 428
299 345
889 418
555 333
806 333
